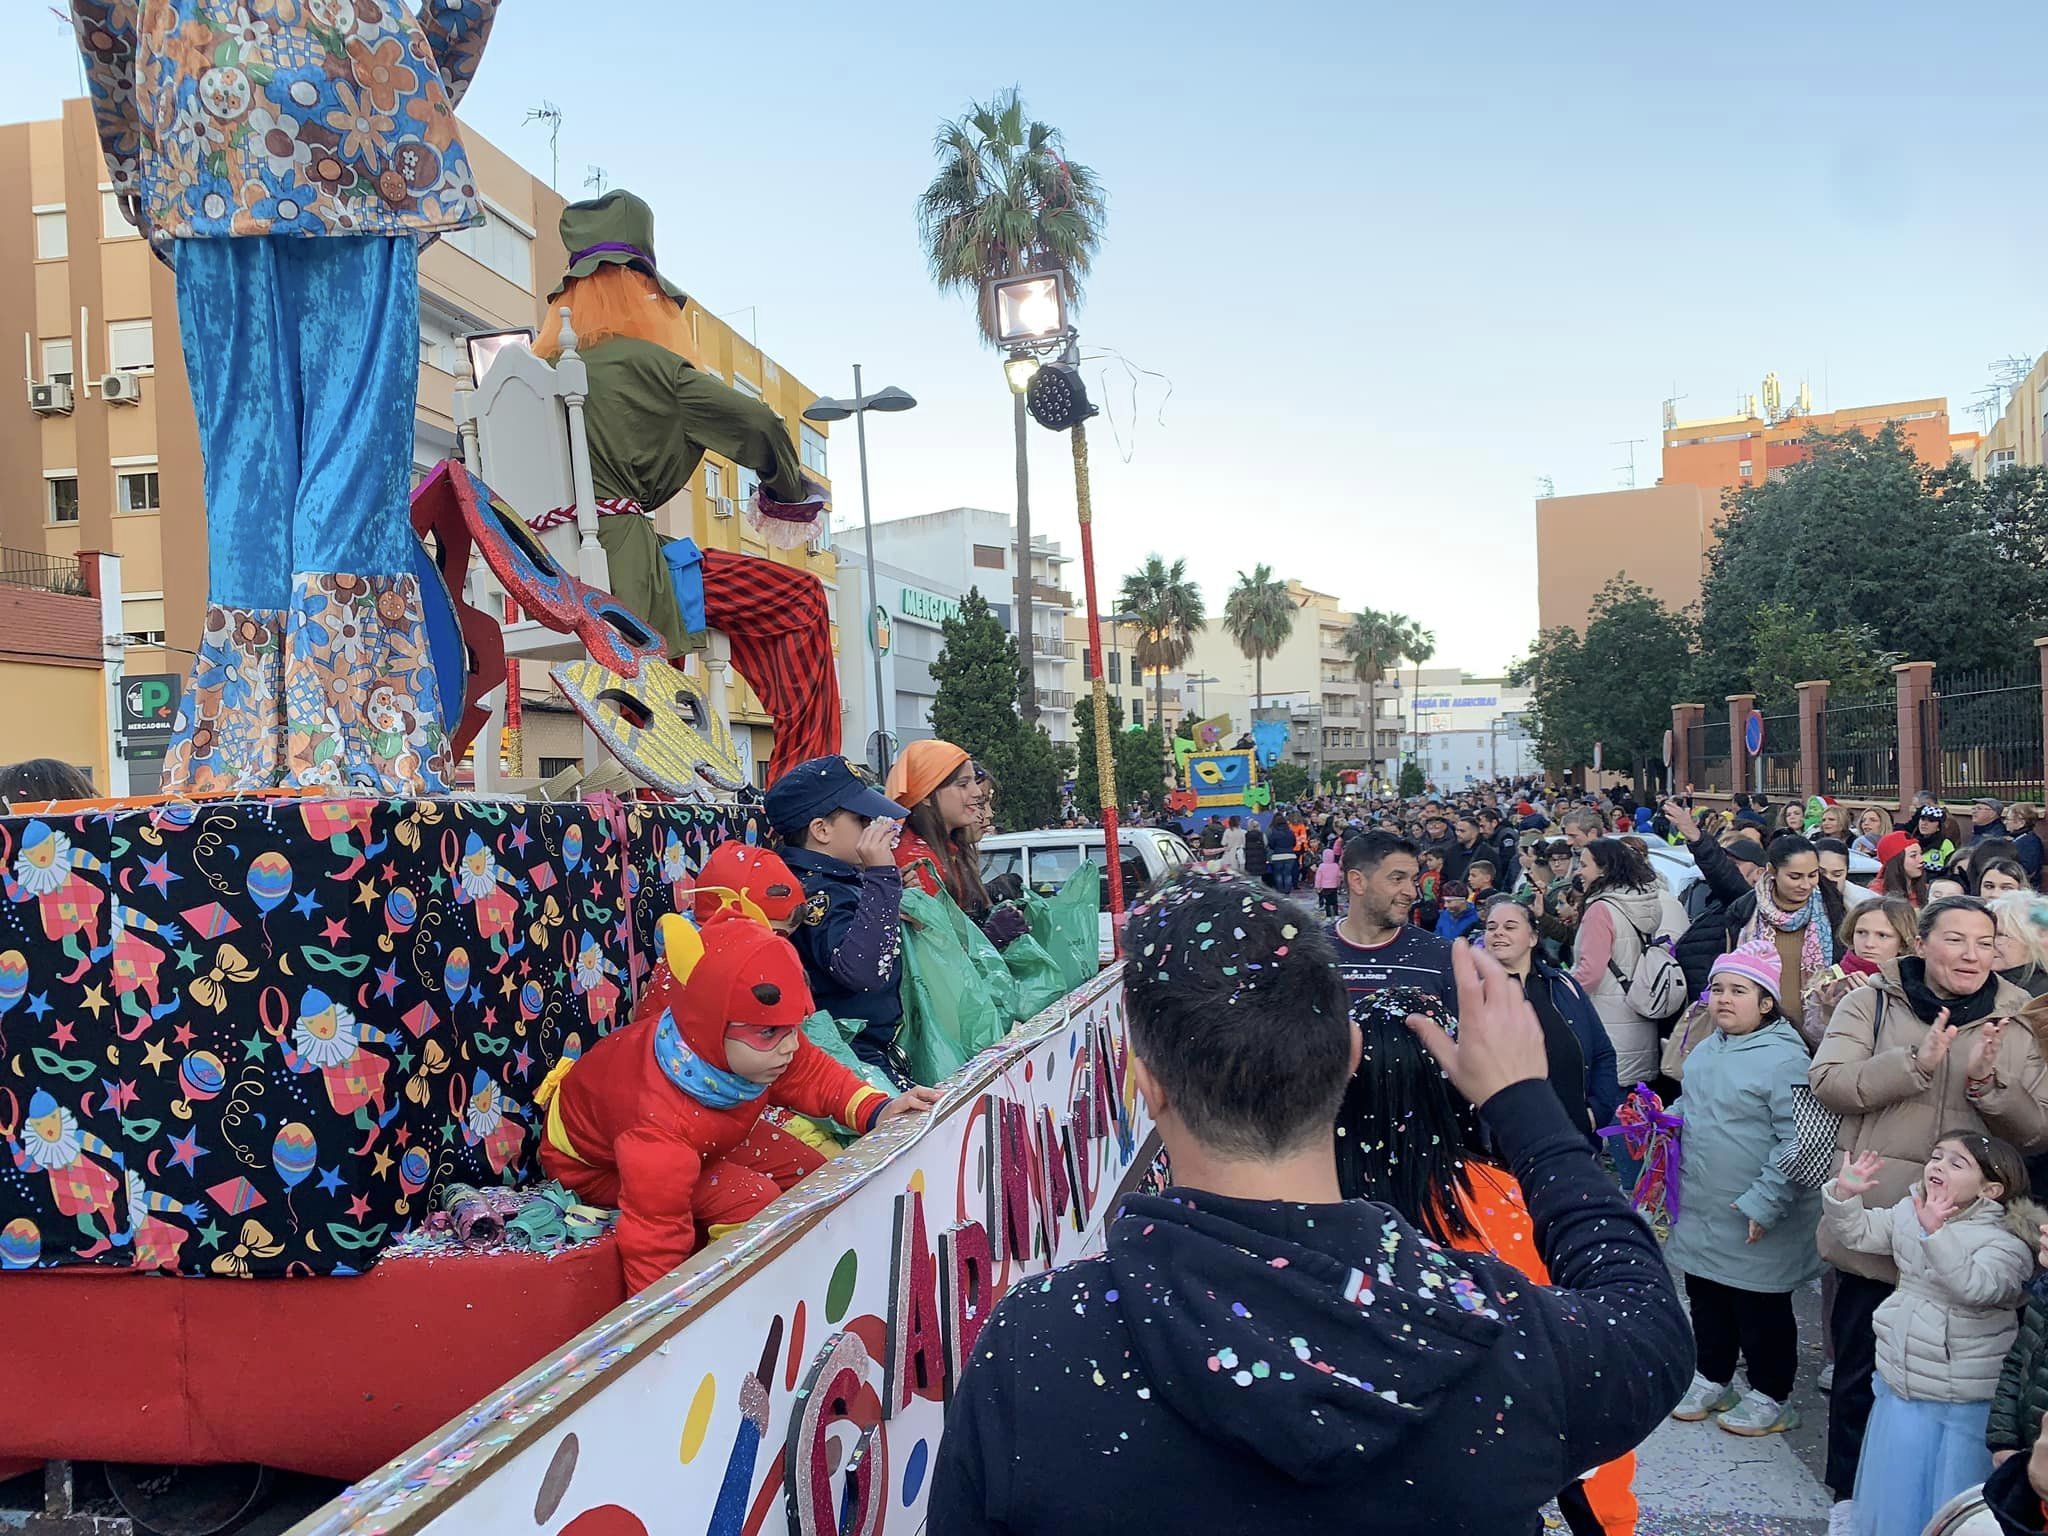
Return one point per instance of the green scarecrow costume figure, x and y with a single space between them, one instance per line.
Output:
653 413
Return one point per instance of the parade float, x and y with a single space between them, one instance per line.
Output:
1218 782
271 1044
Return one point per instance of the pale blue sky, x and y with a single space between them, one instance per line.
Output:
1397 262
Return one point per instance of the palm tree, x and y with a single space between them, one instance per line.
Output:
1374 643
1418 645
1006 200
1259 615
1169 614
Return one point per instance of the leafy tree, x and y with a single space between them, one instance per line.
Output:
1170 613
1027 773
1290 783
1419 646
1790 649
1374 642
1412 782
1006 200
1259 616
976 708
1135 756
1614 685
1863 536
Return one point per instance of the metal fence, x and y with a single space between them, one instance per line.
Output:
1859 747
1712 761
1981 733
45 573
1779 760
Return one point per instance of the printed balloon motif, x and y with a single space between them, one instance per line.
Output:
455 973
270 880
20 1244
293 1152
202 1075
13 979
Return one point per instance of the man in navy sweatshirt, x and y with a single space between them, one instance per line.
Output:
1254 1353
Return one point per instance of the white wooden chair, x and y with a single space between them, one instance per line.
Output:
522 432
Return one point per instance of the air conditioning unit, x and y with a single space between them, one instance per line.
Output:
722 507
50 399
121 388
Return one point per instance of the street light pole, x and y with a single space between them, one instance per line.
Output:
823 409
867 529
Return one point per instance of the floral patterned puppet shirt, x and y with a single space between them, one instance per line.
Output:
249 118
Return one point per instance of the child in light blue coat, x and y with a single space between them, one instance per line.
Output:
1744 1238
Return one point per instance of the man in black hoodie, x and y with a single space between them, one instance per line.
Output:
1255 1354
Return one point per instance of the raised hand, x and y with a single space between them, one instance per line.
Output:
1933 1047
1683 822
1984 1057
1934 1209
1499 1041
875 848
1859 1175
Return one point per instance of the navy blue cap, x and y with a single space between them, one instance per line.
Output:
820 787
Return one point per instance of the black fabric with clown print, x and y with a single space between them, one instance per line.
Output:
254 1038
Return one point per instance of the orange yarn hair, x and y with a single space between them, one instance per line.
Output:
617 301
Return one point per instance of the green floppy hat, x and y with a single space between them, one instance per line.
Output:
616 229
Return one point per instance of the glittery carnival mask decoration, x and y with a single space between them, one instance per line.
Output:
658 724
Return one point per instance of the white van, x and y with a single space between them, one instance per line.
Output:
1044 860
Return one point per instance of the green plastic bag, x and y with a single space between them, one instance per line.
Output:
1040 980
835 1038
953 1006
1068 926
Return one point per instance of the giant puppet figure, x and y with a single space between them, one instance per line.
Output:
653 413
288 160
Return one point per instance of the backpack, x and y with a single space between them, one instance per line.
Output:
1655 986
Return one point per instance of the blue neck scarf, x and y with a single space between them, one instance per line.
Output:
713 1087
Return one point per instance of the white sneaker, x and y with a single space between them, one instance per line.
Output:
1826 1381
1842 1518
1758 1415
1705 1397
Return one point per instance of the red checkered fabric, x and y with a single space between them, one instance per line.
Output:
781 632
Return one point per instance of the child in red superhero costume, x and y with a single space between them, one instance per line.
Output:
663 1118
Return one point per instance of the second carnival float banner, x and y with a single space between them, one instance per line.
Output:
253 1037
794 1377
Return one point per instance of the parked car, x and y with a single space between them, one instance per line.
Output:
1044 860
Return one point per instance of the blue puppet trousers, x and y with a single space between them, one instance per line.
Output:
313 668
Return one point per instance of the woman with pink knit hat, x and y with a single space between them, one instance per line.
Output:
1743 1238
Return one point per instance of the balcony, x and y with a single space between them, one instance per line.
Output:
1050 595
1054 698
39 572
1054 650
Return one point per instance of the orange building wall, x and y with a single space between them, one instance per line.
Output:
1716 465
1656 536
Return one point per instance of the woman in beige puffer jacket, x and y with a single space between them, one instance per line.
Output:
1898 1086
1870 1071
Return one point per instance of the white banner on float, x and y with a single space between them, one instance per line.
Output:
793 1376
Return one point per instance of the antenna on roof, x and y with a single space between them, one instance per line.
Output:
547 112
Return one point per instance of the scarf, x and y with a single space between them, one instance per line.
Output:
1962 1011
713 1087
1817 943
